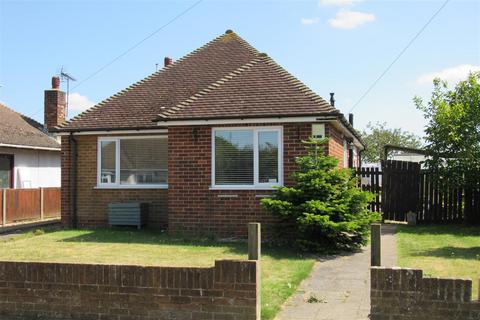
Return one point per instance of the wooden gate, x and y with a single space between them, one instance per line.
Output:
400 189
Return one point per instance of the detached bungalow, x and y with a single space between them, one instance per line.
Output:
201 141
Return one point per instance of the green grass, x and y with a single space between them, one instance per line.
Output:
441 251
282 270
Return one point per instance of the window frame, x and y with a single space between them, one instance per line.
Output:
256 185
117 184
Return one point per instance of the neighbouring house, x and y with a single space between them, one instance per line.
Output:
202 141
29 155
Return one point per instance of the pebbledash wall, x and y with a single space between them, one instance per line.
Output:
404 294
229 290
189 205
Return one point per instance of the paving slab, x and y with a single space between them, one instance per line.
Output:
339 286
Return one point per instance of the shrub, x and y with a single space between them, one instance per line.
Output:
325 207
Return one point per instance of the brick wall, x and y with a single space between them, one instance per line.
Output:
335 144
92 202
404 294
229 290
193 207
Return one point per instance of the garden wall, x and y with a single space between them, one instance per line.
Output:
229 290
404 294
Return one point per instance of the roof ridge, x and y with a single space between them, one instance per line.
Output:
154 74
297 83
214 85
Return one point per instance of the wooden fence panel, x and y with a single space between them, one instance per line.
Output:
51 202
22 204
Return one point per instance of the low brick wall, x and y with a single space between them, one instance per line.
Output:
404 294
229 290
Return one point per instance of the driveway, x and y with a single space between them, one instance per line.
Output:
339 286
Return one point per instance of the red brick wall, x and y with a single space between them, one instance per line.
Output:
229 290
335 143
404 294
92 202
193 207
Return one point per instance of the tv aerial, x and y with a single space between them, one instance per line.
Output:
64 76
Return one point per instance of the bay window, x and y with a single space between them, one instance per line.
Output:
246 157
132 162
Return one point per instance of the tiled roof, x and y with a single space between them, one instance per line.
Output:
139 105
225 78
259 88
17 129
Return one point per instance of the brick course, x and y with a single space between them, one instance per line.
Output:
229 290
404 294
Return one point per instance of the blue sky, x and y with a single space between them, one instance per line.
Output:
338 46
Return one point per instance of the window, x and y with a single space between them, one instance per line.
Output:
245 158
6 171
132 162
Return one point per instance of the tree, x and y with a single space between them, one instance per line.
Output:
453 134
325 207
378 135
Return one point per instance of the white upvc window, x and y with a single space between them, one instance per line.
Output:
132 162
247 157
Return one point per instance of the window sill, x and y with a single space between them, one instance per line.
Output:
242 188
132 187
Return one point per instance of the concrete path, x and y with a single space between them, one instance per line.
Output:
339 286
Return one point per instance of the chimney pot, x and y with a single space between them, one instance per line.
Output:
167 61
332 99
350 118
55 82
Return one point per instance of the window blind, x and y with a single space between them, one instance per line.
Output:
234 157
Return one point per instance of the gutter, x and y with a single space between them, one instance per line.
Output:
18 146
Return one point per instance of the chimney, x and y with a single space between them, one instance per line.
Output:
350 118
332 100
167 61
54 112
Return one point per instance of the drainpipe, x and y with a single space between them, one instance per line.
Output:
73 179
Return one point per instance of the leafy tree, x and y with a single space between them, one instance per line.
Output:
378 135
325 207
453 133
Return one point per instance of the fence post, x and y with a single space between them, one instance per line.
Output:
41 204
376 247
254 241
4 207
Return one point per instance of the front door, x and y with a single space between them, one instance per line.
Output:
6 171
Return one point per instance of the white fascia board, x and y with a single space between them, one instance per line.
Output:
173 123
106 132
6 145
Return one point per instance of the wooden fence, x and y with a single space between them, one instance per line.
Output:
403 187
371 180
22 205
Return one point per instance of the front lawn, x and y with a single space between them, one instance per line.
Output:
441 251
282 270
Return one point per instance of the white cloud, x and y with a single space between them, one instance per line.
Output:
339 2
347 19
79 103
309 21
451 75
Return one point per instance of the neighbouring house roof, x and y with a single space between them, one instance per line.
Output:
17 130
225 79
